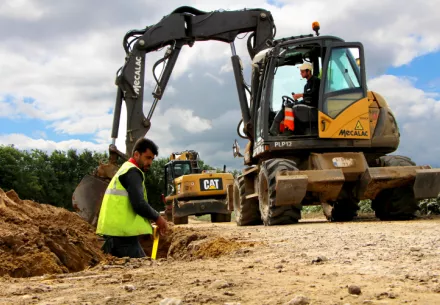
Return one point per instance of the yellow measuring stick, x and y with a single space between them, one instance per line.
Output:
155 243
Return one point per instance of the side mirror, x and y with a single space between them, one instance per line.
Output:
236 150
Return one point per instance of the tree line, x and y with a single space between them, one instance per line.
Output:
52 177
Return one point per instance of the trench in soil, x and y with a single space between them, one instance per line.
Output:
188 244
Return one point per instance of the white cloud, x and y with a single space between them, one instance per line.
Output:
187 120
21 141
418 116
215 78
407 102
39 134
7 110
83 125
226 68
171 91
22 9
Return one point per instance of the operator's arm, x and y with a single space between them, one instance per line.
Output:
132 182
311 94
297 95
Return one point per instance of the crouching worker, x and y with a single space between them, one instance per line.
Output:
125 214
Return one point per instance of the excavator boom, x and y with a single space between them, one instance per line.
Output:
184 26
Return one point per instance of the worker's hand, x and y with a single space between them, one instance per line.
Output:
297 96
163 225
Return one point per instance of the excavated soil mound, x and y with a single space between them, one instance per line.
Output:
189 244
37 239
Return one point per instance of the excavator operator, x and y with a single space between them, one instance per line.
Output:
311 88
125 212
310 98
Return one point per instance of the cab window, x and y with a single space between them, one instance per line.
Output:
169 181
181 169
343 81
287 76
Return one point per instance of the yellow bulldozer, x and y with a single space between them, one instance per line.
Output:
336 149
190 190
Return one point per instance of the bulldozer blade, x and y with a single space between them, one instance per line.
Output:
293 185
425 181
87 198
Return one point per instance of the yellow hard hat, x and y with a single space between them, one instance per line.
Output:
306 66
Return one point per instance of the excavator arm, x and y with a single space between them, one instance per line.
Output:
184 26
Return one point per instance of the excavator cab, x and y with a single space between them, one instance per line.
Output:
342 84
287 81
173 170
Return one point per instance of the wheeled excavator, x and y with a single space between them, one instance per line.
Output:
338 152
190 190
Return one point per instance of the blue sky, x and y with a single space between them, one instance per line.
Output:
425 70
276 3
34 127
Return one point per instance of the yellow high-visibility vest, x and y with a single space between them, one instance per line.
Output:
117 217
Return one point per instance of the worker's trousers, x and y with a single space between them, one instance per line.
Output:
123 246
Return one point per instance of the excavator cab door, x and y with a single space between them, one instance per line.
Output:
343 104
169 180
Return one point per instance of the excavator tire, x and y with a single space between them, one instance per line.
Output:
397 203
246 210
344 210
271 214
218 217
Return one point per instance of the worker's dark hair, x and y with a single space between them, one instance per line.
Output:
143 144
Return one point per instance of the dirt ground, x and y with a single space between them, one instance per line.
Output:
313 262
36 239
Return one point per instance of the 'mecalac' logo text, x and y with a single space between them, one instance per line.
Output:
356 133
137 75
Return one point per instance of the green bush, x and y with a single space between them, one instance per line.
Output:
430 207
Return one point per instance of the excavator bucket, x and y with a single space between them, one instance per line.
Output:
292 186
87 198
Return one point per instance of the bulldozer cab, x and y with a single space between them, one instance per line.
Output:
340 111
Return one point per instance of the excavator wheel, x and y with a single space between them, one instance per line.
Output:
246 210
218 217
344 210
271 214
397 203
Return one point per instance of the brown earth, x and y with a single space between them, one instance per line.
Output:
186 243
314 262
37 239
